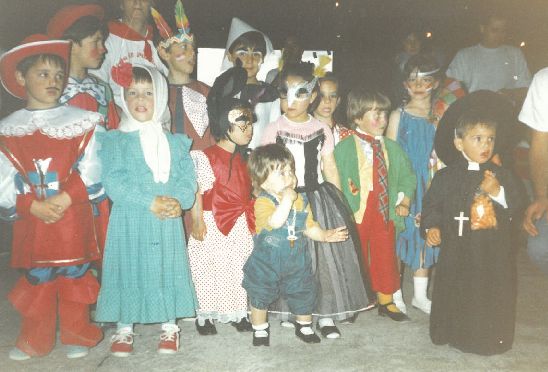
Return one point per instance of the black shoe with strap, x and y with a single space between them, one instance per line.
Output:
329 331
243 325
262 341
309 339
394 315
207 329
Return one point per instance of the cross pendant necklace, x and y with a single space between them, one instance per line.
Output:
291 229
461 220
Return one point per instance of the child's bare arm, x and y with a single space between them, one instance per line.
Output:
433 237
393 125
199 229
338 234
330 170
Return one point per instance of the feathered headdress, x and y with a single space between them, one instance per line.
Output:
183 27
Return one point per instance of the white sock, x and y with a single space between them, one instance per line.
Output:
397 298
326 322
124 328
420 287
201 320
170 326
306 328
260 330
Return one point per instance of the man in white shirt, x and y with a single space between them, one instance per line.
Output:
491 64
535 114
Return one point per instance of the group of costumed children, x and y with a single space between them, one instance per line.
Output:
310 226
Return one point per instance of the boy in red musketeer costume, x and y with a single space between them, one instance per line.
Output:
48 163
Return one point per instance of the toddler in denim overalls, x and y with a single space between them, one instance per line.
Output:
280 264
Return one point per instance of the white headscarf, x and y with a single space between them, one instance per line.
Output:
151 133
237 29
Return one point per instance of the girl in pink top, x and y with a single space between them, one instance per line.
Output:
344 287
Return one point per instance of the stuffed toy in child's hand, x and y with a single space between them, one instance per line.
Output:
482 215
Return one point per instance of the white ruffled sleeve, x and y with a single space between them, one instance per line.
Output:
8 193
89 167
204 172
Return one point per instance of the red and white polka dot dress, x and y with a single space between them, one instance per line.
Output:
216 262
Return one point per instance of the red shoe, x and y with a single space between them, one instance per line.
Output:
122 343
169 339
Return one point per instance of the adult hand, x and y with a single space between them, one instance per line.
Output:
535 211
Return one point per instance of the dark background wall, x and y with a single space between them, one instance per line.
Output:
364 34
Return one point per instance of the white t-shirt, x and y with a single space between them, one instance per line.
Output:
534 112
492 69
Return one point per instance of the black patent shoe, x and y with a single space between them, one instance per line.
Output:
207 329
329 331
243 325
262 341
309 339
396 316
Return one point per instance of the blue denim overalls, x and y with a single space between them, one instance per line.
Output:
276 269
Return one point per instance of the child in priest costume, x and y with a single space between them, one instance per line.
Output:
467 212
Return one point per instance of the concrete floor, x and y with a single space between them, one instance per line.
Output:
371 344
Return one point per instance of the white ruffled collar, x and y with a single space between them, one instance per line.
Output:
61 122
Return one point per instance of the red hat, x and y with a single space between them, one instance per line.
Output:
66 17
32 45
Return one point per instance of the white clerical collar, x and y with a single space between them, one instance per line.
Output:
472 165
